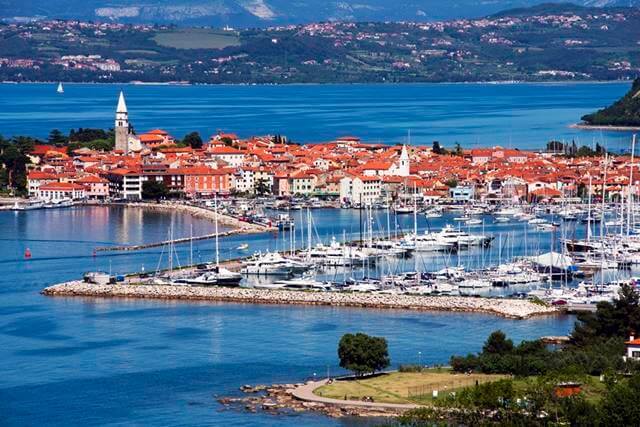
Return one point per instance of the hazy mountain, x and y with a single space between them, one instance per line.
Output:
241 13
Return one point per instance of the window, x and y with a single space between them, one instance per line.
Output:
635 354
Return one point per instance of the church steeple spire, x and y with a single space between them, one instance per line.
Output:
122 125
122 106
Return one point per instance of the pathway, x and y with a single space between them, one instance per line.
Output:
305 392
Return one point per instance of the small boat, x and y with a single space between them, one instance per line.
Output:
535 221
27 254
403 210
501 219
474 221
243 247
60 88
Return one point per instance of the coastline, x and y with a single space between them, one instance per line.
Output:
507 308
583 126
198 212
443 82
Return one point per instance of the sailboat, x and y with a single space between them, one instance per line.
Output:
214 274
60 88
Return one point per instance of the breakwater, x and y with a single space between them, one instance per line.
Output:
510 308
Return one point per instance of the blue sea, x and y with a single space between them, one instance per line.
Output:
84 361
78 362
474 115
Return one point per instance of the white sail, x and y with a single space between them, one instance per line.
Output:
60 88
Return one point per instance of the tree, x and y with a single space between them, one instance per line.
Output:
363 354
193 140
585 151
497 343
451 183
261 187
611 319
56 137
458 149
436 149
14 161
154 190
87 135
555 146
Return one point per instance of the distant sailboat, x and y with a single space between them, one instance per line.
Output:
60 88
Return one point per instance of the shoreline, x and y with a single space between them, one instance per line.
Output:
583 126
238 227
445 82
507 308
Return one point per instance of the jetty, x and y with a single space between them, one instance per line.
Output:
166 242
505 307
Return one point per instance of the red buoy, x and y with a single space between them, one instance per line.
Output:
27 254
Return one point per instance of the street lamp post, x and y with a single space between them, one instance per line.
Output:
420 359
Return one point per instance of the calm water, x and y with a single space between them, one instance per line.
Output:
511 115
68 362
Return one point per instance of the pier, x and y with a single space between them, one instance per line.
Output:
165 242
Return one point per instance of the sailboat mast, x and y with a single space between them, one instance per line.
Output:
215 207
630 195
589 212
415 214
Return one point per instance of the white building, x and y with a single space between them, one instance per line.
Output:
633 348
229 155
57 191
360 189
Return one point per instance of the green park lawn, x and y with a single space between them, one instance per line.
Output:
403 387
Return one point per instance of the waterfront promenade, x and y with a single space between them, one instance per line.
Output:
509 308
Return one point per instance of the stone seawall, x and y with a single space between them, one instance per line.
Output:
510 308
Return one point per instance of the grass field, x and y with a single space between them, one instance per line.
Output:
403 387
196 38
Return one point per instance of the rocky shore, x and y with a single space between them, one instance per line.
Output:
510 308
279 399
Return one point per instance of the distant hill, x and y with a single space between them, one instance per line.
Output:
624 112
547 42
261 13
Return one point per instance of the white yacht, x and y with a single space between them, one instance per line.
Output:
306 283
217 276
428 242
270 263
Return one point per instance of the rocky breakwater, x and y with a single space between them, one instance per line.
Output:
510 308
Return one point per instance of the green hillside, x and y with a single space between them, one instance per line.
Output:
624 112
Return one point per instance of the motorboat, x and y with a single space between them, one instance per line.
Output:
306 283
428 242
270 263
475 283
218 276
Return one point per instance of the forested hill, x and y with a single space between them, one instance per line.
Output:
624 112
547 42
